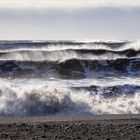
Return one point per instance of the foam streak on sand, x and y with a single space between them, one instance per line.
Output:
69 78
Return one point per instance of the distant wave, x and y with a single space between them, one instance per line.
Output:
64 45
63 55
65 50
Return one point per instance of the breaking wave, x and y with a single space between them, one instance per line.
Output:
69 77
38 101
73 68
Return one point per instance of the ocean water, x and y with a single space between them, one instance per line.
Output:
40 78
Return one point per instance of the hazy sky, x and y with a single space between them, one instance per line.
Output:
69 19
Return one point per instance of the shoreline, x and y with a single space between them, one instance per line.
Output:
60 118
98 127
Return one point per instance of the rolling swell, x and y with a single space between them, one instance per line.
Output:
7 46
73 68
26 43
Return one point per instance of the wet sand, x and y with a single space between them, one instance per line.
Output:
104 127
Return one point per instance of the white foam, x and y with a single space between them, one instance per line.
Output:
36 97
58 56
67 83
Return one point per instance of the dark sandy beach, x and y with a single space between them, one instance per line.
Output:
104 127
73 77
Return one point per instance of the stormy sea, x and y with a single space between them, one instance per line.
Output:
41 78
